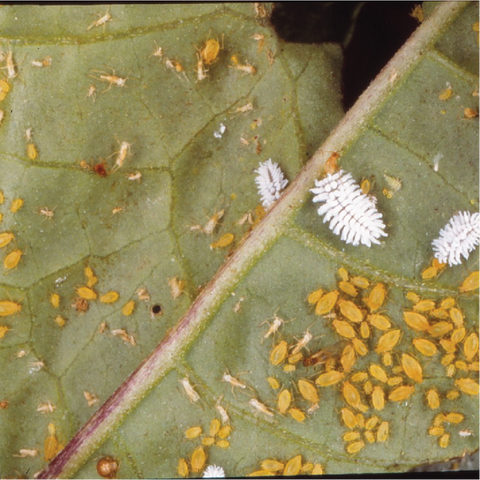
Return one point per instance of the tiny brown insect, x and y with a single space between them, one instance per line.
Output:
323 355
100 169
107 467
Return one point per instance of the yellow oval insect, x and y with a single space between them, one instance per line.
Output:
351 395
86 293
293 466
382 432
344 329
359 347
209 52
272 465
368 387
424 306
378 398
17 204
379 321
55 300
12 259
360 282
308 391
278 354
315 296
412 368
128 308
413 297
458 335
182 468
273 382
198 459
109 297
193 432
388 341
430 272
416 321
329 378
223 241
470 283
376 297
32 152
401 393
9 308
387 359
452 394
425 347
348 288
359 377
436 431
349 418
222 444
372 423
447 303
348 358
225 431
6 238
364 329
284 401
343 274
326 303
350 436
378 372
350 311
297 414
454 417
214 427
467 386
457 316
355 447
433 399
444 440
448 345
470 346
369 436
439 329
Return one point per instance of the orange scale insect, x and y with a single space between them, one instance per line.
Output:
279 353
352 395
359 347
348 358
378 372
308 391
349 418
470 283
284 401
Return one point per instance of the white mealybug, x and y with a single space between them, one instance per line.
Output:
458 238
214 471
351 213
270 182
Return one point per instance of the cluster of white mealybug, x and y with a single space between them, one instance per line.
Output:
270 182
354 215
458 238
351 213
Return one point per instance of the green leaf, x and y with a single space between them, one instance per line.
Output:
397 127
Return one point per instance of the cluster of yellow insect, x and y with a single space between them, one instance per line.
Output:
433 270
372 428
437 429
12 259
295 466
217 436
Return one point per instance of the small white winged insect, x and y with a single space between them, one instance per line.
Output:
270 182
457 238
351 213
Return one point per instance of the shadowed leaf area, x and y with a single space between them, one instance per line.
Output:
128 131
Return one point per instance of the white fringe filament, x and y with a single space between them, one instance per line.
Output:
214 471
352 214
458 238
270 182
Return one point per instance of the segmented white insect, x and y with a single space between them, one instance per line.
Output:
352 214
270 182
214 471
458 238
